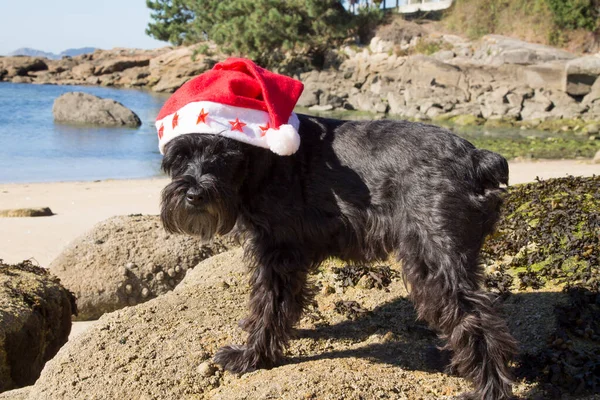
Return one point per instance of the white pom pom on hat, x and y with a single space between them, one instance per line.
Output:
239 100
283 141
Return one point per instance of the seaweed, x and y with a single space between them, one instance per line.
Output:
549 234
378 277
351 309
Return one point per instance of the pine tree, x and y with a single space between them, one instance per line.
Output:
171 20
263 30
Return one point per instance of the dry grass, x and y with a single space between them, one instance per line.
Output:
529 20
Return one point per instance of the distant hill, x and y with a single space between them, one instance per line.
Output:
25 51
76 52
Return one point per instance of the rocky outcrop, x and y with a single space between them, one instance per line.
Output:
505 79
127 260
83 108
493 78
35 321
11 67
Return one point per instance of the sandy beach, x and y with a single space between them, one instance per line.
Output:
80 205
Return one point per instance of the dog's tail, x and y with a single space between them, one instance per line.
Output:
491 168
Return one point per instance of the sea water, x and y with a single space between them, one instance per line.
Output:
33 148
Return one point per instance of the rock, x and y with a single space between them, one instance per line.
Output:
367 102
444 55
326 107
134 77
163 348
27 212
397 103
594 94
35 321
83 71
118 65
16 394
496 50
172 69
537 107
564 106
83 108
582 74
21 66
551 75
309 97
502 103
592 129
124 260
422 70
596 159
377 45
22 79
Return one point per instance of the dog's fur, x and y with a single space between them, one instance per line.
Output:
358 191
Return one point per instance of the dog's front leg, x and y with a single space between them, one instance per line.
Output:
279 295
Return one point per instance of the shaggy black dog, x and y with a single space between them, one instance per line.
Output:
358 191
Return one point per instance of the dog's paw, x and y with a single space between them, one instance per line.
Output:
236 359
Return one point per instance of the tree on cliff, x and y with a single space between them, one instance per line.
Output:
263 30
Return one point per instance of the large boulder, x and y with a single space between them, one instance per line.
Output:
35 321
127 260
83 108
582 73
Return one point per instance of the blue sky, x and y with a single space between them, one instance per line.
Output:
56 25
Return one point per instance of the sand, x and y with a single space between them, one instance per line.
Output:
80 205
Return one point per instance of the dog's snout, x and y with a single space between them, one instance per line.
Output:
194 196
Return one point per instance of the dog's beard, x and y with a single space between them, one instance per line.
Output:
217 215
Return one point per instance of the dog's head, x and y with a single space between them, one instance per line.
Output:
207 172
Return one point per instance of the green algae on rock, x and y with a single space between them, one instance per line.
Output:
35 321
549 237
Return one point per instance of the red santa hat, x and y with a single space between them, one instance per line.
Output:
239 100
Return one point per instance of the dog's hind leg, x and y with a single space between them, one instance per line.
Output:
446 292
279 294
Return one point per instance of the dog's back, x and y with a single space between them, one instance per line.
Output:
373 164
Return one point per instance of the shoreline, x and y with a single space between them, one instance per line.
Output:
79 205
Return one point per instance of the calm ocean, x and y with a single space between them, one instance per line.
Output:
35 149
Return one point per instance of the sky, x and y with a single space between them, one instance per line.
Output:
57 25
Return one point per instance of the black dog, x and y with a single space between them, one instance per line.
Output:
358 191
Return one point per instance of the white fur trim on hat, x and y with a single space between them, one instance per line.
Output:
254 126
